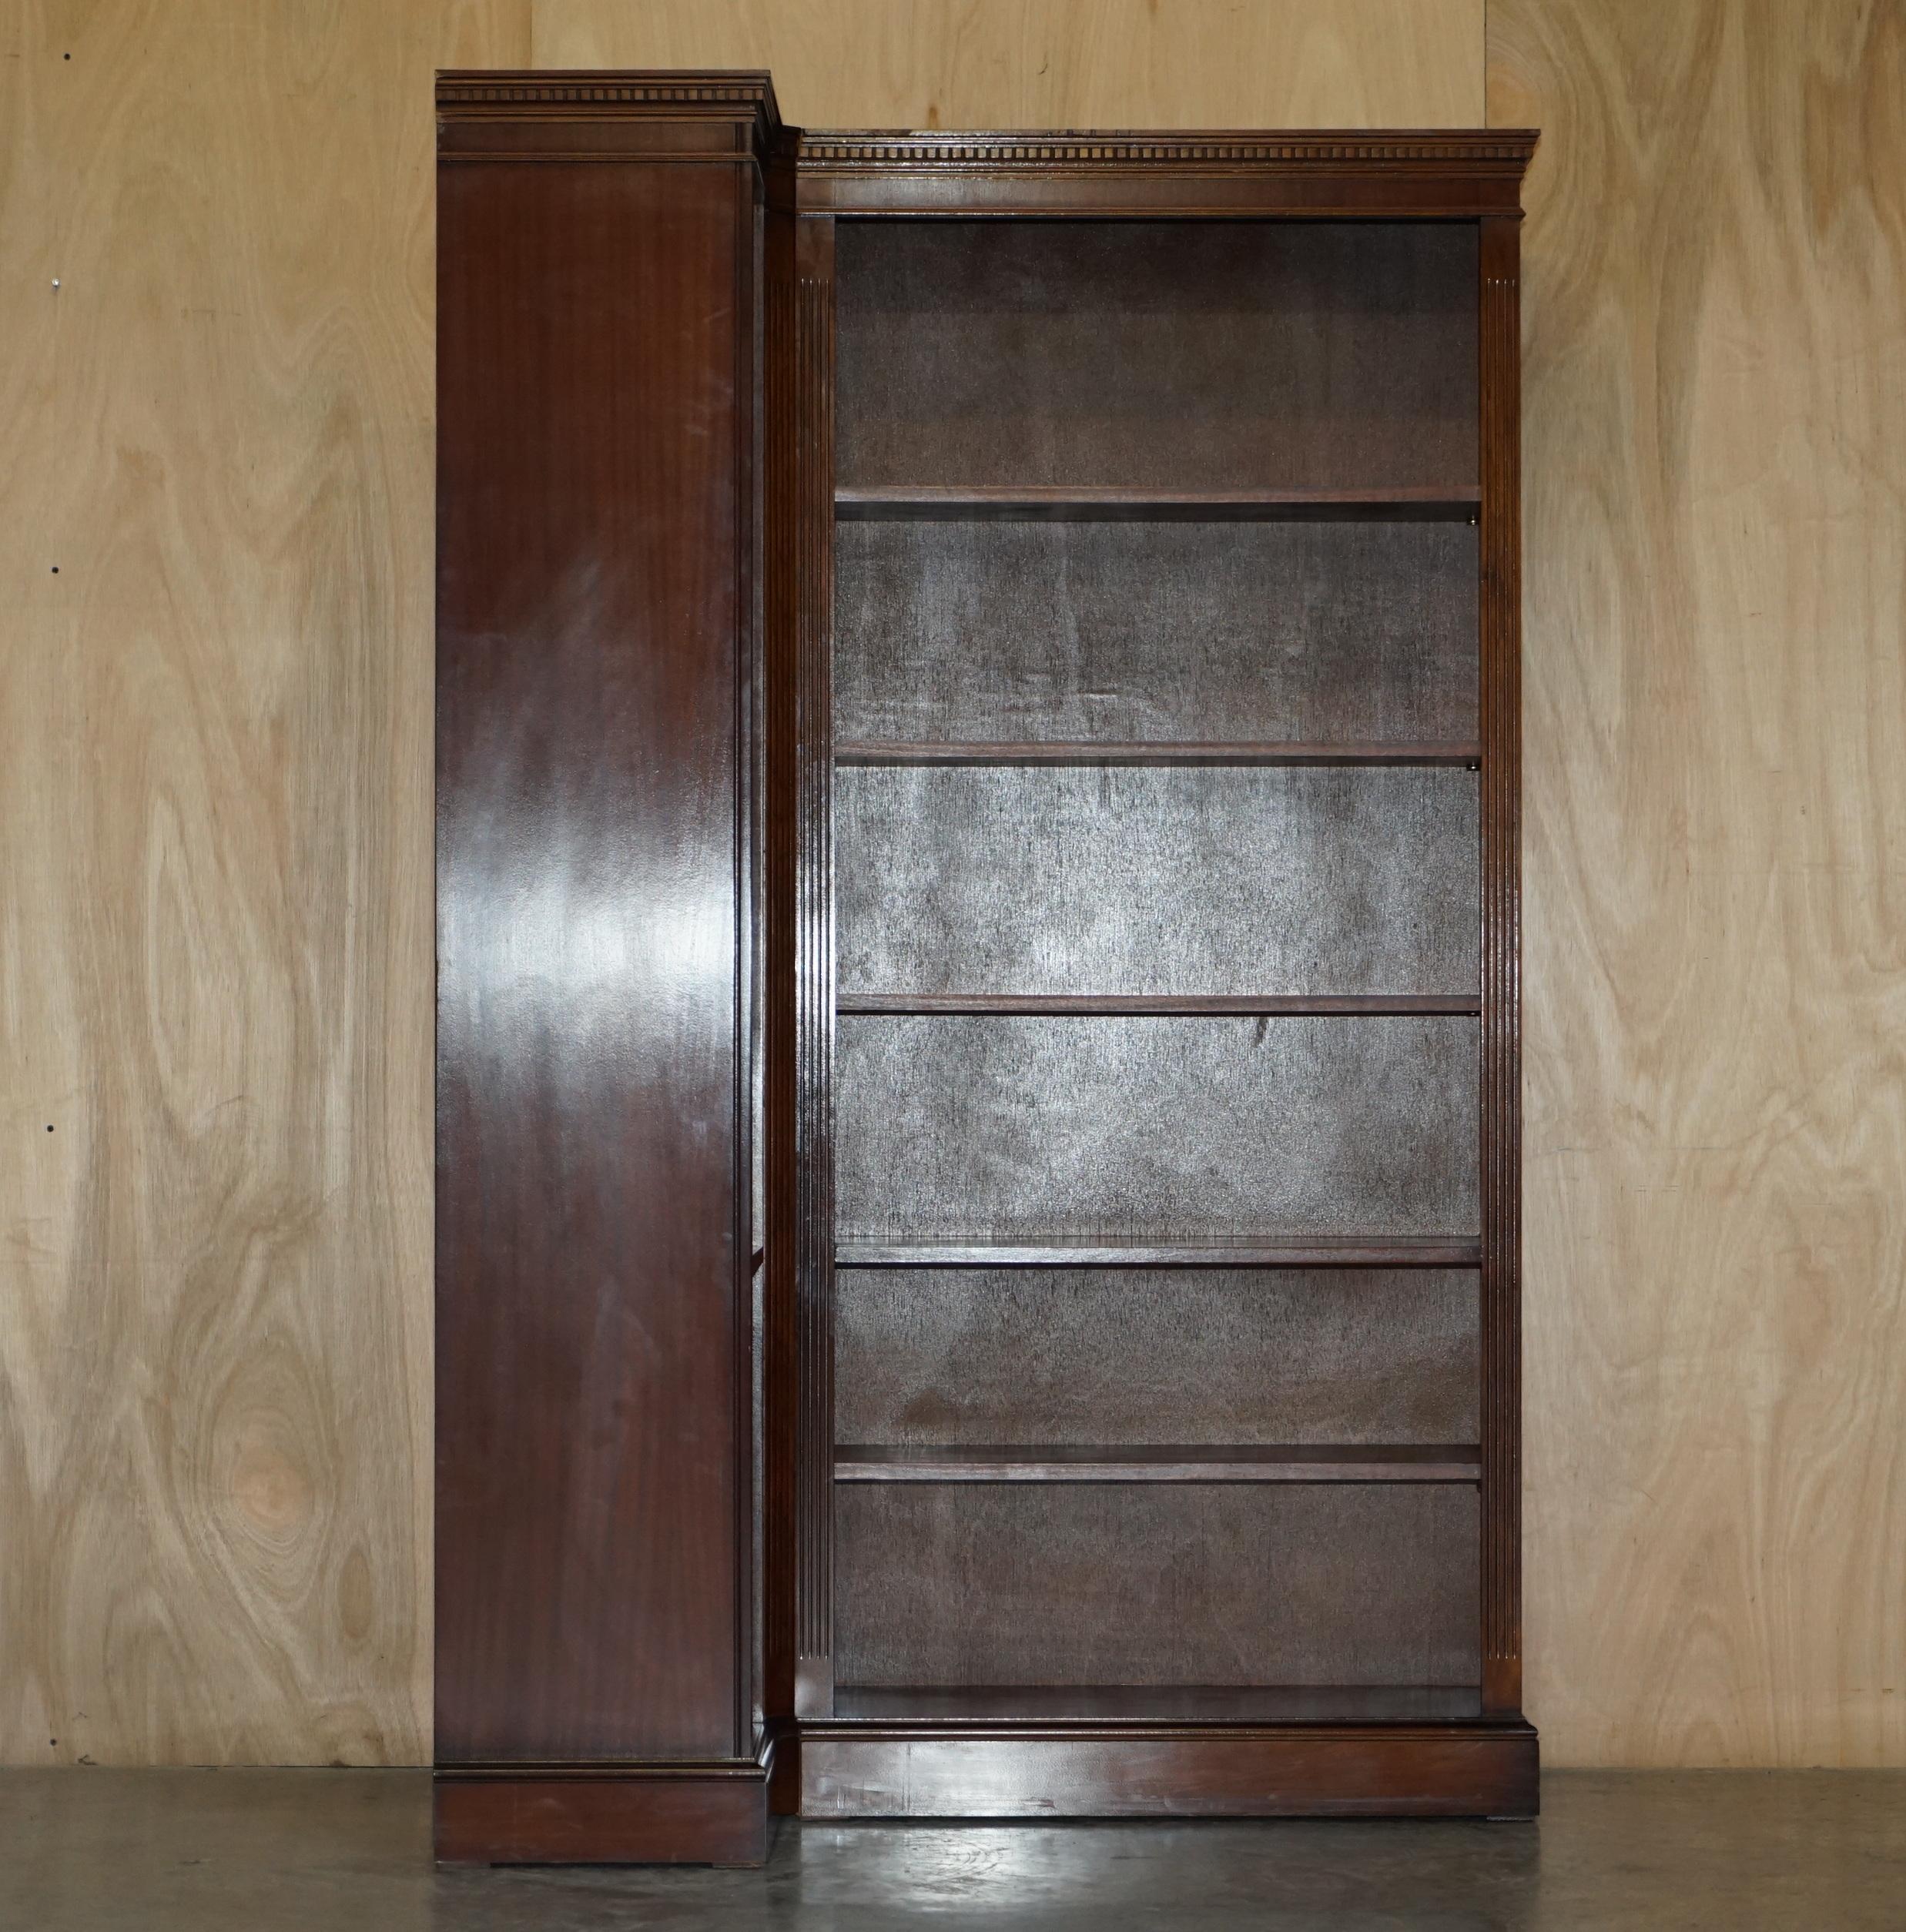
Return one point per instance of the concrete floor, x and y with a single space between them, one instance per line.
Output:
349 1851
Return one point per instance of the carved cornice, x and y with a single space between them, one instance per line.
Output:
1460 151
701 115
477 93
737 95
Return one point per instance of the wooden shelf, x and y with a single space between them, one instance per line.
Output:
1197 1462
1292 1251
1158 1703
1442 503
1297 1005
1146 752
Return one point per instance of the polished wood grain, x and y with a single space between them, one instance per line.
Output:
811 1611
1499 299
689 1814
1226 175
1714 432
1195 1462
1392 1769
966 1704
595 658
787 763
1058 63
215 877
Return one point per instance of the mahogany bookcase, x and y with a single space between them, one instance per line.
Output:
978 730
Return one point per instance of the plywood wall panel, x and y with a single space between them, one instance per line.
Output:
1715 438
214 829
1056 63
215 877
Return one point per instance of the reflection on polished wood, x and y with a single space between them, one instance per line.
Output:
597 655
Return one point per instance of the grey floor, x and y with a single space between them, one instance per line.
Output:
313 1851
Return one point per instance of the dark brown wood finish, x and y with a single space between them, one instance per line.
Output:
1247 1584
1500 1194
1352 173
712 1814
1119 368
1181 1462
1153 1704
608 241
790 1221
598 486
1162 752
1118 1356
1451 503
996 175
813 1606
1265 751
1114 1002
1484 1769
1319 1251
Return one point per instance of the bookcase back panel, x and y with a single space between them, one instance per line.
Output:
1061 1127
1155 1584
1158 355
1024 631
1135 1355
1167 880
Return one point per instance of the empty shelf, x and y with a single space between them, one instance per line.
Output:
1296 1004
1198 1462
1451 751
1285 1251
1157 1703
1441 503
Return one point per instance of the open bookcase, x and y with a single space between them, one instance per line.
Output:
1150 1375
977 764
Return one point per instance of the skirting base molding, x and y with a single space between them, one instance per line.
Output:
606 1814
1482 1768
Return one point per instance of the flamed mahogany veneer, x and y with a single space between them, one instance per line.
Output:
978 1166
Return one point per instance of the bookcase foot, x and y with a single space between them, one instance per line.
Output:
644 1814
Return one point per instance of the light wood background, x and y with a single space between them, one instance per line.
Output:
1715 1080
214 903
